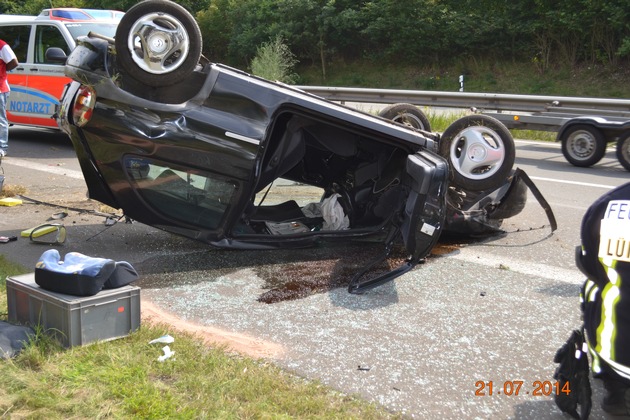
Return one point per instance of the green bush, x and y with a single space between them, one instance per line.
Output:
274 61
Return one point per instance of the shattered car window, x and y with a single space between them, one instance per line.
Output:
183 194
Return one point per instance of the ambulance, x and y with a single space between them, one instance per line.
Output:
38 82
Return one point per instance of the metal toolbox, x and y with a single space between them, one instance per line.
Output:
74 320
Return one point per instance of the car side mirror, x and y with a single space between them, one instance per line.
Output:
56 55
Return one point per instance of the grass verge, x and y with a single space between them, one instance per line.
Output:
124 379
7 268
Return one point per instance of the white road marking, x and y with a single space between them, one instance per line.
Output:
539 143
583 184
57 170
528 268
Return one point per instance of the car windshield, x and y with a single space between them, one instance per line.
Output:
78 29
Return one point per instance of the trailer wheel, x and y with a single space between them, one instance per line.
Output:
623 150
480 151
406 114
583 145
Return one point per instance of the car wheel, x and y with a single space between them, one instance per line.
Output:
158 43
623 150
583 145
480 151
406 114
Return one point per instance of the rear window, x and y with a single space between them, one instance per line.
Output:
78 29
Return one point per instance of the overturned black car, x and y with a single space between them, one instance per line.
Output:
194 147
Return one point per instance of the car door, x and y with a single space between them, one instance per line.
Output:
36 84
18 37
422 220
425 209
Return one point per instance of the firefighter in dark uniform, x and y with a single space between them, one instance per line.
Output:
605 298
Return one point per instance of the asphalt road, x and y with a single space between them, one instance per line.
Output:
492 310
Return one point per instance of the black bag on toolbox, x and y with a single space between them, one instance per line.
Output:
80 274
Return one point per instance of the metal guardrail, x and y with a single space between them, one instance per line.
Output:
603 120
481 101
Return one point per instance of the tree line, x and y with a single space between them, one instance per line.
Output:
429 32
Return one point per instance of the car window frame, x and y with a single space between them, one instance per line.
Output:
146 192
39 53
20 49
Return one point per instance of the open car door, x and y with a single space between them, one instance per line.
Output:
422 220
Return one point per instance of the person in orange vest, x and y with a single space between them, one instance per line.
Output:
8 61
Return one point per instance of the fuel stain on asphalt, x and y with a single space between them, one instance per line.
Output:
301 279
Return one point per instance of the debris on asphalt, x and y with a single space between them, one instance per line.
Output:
10 202
5 239
58 216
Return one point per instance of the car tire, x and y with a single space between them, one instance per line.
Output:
583 145
406 114
623 150
158 43
480 151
